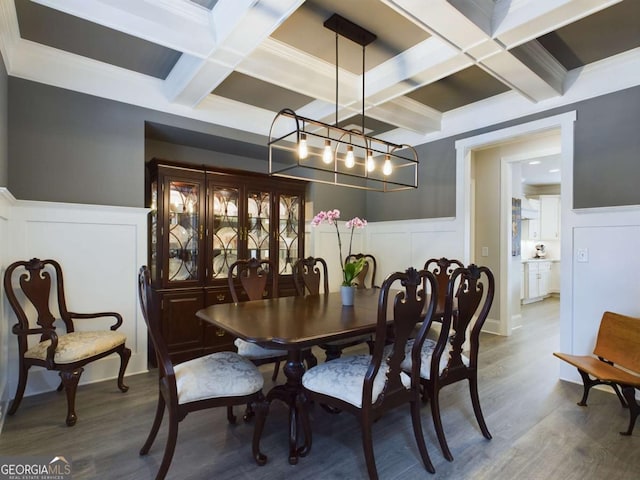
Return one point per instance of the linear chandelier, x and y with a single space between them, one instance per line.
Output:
307 149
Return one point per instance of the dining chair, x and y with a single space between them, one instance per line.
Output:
367 277
443 363
369 385
442 268
255 276
67 353
216 380
311 275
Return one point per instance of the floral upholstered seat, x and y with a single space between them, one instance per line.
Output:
343 378
76 346
221 374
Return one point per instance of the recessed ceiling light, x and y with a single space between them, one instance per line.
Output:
554 170
534 162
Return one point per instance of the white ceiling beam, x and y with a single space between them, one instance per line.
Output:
177 24
240 27
518 21
9 32
408 114
420 65
537 81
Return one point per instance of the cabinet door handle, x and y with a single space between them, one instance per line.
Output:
201 231
220 332
220 297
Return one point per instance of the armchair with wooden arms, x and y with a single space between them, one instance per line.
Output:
66 353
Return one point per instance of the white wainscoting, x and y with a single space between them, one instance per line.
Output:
607 281
100 249
6 202
396 245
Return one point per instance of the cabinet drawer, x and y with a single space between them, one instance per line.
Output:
544 266
217 295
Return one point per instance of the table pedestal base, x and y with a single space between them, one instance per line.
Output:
291 393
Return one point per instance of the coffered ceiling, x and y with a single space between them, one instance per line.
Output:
436 68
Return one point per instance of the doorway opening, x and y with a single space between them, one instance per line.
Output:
505 314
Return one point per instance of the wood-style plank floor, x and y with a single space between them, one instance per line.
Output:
538 430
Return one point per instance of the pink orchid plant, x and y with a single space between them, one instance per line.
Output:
352 269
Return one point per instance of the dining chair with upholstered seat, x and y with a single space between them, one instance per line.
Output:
41 287
311 276
221 379
367 277
443 363
255 277
369 385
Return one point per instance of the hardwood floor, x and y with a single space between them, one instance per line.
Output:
538 430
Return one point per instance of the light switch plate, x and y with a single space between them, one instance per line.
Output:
582 255
485 252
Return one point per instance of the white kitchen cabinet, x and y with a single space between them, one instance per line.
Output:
537 278
533 229
549 217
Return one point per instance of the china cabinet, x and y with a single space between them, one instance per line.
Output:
201 221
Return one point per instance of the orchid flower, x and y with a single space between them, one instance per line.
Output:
350 270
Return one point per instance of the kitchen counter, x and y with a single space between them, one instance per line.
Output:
534 260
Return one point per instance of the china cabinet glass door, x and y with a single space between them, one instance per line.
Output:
258 224
289 207
227 230
184 230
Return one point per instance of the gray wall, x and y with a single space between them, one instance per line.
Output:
607 151
436 193
606 161
70 147
4 155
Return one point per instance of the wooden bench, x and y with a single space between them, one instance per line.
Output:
618 345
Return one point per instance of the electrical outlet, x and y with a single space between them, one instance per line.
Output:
582 255
485 252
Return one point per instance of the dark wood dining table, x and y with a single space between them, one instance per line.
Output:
295 324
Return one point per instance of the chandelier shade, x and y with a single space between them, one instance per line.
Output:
312 150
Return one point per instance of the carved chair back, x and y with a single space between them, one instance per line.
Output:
442 268
368 272
472 289
309 274
36 285
254 276
411 306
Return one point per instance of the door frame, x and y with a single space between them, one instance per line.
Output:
464 202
